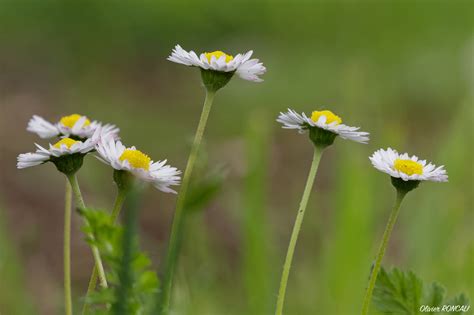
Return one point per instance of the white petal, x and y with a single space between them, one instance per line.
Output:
30 159
42 128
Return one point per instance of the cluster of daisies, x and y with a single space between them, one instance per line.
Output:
77 136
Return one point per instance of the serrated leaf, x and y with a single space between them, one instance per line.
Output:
403 293
107 236
397 292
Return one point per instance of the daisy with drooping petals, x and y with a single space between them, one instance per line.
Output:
325 120
407 168
406 173
137 163
246 68
74 126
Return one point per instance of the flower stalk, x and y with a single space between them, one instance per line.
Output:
95 251
118 204
67 249
179 215
381 252
318 150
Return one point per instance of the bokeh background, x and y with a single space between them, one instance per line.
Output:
403 70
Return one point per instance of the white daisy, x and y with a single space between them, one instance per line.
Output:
139 164
407 168
74 126
65 146
324 119
246 68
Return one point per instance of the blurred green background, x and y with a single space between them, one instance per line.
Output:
403 70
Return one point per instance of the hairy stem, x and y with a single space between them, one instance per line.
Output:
178 220
67 249
383 246
95 252
296 230
118 204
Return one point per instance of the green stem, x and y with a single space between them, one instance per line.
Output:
296 229
90 289
67 249
177 227
118 204
383 246
95 251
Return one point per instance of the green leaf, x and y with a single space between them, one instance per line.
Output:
148 282
107 236
404 293
397 292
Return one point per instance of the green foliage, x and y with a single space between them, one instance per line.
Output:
108 237
404 293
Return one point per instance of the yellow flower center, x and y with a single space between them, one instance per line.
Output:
218 54
330 116
136 158
67 141
70 121
408 167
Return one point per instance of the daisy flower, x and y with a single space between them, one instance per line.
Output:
246 68
131 160
66 154
407 168
74 126
323 126
406 173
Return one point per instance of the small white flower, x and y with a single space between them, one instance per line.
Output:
407 168
65 146
324 119
75 125
246 68
139 164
